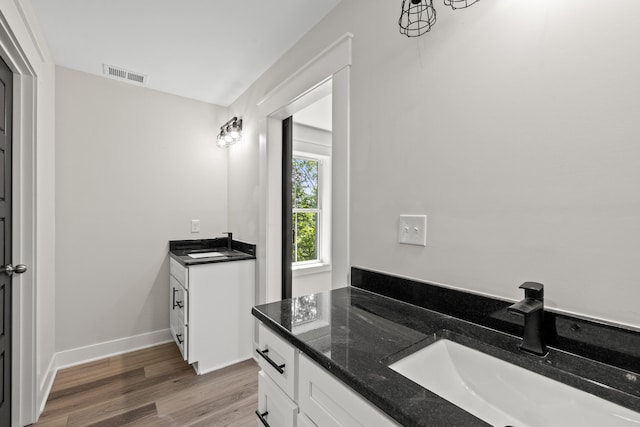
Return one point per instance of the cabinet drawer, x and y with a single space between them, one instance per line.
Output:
179 298
275 406
180 334
274 349
327 402
179 272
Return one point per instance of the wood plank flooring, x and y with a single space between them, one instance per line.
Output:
153 387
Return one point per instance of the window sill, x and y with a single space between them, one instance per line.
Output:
305 269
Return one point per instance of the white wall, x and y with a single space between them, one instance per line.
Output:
134 167
513 125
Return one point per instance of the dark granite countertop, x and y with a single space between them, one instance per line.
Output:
355 334
180 250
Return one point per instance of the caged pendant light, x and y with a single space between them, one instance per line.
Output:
417 17
459 4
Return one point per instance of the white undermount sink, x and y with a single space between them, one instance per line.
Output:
206 255
504 394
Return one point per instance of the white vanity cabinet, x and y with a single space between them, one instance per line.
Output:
210 312
294 391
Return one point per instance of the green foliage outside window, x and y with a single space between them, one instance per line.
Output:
305 213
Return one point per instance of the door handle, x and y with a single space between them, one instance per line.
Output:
10 269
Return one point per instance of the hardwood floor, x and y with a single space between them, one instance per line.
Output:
153 387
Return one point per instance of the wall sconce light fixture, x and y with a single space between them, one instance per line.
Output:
230 133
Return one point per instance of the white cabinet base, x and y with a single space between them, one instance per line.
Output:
212 324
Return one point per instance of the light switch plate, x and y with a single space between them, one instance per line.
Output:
195 225
412 230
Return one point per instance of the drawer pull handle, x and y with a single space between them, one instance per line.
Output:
263 353
179 338
176 303
261 416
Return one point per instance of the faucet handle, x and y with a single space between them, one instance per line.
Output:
533 290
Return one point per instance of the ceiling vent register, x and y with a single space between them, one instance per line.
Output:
121 73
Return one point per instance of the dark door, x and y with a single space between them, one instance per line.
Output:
287 235
6 102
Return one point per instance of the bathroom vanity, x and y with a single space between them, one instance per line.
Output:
211 292
357 356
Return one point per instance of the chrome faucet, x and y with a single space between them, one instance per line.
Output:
229 239
532 309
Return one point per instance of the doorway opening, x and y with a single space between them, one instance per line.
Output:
307 196
289 97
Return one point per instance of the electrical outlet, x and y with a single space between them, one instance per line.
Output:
195 225
412 230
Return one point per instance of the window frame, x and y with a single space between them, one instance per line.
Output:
323 245
317 210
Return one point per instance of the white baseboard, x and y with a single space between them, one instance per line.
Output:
78 356
45 386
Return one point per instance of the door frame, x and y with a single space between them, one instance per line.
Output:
290 96
24 388
287 235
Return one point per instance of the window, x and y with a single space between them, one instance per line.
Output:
306 215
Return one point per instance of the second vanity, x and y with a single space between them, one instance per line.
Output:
211 291
339 348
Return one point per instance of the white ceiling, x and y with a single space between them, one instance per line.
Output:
210 50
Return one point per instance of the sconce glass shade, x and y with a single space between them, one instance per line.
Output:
417 17
221 142
234 131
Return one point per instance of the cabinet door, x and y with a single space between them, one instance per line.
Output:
275 406
220 297
179 332
329 403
